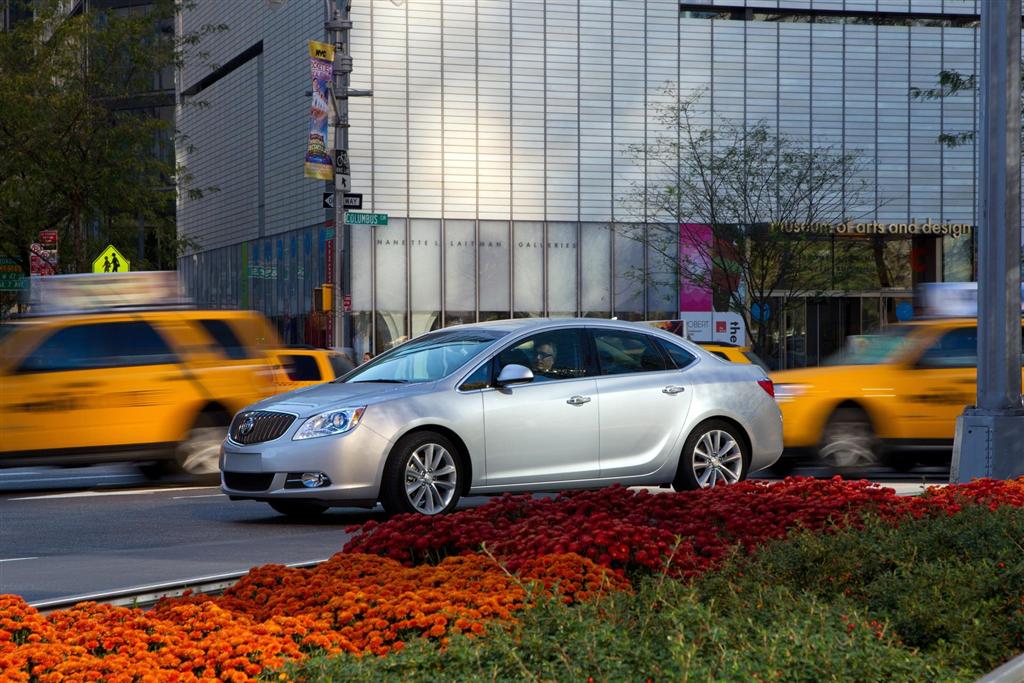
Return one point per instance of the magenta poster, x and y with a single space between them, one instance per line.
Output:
695 241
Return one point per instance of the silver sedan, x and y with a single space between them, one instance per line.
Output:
515 405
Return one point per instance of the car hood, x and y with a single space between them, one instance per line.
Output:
312 400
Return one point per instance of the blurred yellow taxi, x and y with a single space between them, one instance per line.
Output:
896 394
129 384
733 353
302 366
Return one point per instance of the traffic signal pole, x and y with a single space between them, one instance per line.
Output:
990 435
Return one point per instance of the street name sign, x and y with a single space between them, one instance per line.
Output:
11 279
353 218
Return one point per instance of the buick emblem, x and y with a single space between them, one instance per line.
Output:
247 425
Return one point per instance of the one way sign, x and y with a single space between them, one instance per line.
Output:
351 200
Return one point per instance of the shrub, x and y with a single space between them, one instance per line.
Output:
933 599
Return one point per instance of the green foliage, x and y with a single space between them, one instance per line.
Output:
86 136
933 600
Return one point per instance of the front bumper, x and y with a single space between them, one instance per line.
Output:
353 461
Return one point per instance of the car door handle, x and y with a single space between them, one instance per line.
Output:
672 389
578 400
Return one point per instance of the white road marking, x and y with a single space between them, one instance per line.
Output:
94 494
205 495
18 559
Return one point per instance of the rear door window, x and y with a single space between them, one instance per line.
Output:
301 368
621 352
101 345
225 338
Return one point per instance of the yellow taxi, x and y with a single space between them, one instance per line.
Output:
733 353
148 384
896 394
302 366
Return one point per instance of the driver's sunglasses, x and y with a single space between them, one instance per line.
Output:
542 354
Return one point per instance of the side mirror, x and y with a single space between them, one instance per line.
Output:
514 374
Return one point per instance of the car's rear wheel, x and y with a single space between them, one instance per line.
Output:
848 441
298 509
423 475
715 454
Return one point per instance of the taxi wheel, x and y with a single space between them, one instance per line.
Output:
848 441
199 454
298 509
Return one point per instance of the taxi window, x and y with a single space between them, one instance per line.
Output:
956 349
301 368
340 364
103 345
225 338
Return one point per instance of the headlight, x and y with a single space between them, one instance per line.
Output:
788 392
332 422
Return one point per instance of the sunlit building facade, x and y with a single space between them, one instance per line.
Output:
498 143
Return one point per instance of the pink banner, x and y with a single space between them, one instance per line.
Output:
695 240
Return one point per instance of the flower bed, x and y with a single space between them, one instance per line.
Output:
641 532
414 579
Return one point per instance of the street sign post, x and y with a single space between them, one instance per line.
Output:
111 260
353 218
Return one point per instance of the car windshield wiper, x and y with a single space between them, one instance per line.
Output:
386 381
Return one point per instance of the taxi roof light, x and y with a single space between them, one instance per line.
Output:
951 299
106 292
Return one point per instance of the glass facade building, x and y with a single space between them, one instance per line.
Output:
498 138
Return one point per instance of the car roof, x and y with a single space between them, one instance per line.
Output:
524 324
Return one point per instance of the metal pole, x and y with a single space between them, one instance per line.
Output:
339 26
989 436
999 242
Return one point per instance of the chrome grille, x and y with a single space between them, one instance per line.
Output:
257 426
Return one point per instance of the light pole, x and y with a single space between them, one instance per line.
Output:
338 24
989 436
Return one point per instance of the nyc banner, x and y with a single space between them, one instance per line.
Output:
318 159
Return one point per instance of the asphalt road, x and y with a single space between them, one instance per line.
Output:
74 532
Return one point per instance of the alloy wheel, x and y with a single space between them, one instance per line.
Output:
717 459
430 478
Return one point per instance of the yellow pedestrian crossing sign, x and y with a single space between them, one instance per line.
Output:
111 260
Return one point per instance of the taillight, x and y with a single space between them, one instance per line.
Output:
767 385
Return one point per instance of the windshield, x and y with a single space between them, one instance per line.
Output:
426 359
871 349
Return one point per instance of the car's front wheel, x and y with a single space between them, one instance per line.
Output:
715 454
423 475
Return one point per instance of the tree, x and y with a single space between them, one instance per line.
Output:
769 204
81 150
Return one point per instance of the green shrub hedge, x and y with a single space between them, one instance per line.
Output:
937 599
